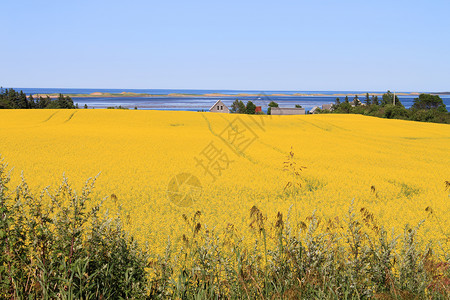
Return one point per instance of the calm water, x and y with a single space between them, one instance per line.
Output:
204 103
171 91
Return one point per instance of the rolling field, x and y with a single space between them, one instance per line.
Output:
161 165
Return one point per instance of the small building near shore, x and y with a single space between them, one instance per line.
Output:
314 110
258 109
219 107
327 106
287 111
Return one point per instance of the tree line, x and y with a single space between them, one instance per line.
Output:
12 99
240 108
426 108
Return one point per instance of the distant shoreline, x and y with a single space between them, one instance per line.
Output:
144 95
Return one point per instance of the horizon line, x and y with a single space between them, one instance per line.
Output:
234 90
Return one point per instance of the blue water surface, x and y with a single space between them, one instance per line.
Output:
200 103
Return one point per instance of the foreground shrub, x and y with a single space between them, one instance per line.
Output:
333 259
56 245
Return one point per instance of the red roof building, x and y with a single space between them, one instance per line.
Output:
258 109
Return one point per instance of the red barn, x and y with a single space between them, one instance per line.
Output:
258 109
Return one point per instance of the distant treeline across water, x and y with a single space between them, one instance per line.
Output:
199 103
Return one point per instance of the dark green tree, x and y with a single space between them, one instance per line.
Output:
22 100
356 101
11 99
44 102
336 104
63 102
4 102
375 100
238 107
367 100
31 102
234 106
392 111
388 98
250 108
428 101
271 104
298 106
344 107
241 108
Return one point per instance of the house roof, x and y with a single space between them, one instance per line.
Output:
216 103
327 106
288 108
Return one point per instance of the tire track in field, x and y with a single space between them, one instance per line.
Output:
238 151
258 140
324 128
272 147
51 116
70 117
242 153
261 142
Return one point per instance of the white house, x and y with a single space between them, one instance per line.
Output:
219 107
327 106
314 110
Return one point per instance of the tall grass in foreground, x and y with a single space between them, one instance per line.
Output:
302 263
60 245
57 245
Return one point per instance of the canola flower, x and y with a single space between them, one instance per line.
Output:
396 170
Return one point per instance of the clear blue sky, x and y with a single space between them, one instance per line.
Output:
258 45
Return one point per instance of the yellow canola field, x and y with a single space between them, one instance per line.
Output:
393 168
